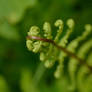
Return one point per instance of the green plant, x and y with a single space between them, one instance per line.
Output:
56 49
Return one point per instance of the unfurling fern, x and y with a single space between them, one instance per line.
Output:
57 49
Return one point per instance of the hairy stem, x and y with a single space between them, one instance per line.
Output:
61 48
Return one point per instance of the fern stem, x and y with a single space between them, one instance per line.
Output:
61 48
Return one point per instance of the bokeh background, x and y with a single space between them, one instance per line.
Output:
20 69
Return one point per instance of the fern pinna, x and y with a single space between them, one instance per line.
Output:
57 49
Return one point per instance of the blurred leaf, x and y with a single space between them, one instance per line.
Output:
13 9
3 85
26 82
9 32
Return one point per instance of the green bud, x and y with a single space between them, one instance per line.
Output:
88 27
29 45
42 56
70 23
34 31
58 23
37 46
47 30
57 73
49 63
34 45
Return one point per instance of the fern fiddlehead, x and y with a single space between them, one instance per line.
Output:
57 49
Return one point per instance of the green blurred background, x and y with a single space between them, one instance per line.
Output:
21 70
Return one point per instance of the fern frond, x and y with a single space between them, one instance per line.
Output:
59 48
73 64
63 42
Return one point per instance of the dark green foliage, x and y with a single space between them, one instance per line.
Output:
20 70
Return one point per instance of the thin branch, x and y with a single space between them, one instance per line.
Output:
61 48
